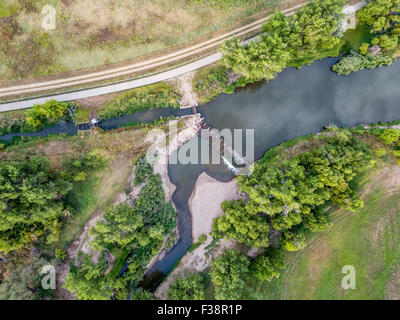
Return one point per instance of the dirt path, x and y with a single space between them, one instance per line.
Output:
167 60
184 84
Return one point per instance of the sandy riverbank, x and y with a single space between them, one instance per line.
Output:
81 243
205 205
205 202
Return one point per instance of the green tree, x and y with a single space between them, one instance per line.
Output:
390 135
286 194
388 41
143 171
120 227
191 288
316 25
228 273
380 14
42 114
267 267
304 35
89 281
256 60
241 224
31 204
141 294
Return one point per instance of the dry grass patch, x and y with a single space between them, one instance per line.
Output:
92 33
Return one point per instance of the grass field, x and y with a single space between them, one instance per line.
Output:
369 240
91 33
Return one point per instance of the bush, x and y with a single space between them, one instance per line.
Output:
389 136
143 171
293 240
150 97
267 267
380 152
228 274
364 48
60 254
210 82
356 62
43 114
191 288
201 240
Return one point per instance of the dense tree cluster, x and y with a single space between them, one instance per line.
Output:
31 205
89 281
138 229
42 114
302 36
382 17
288 195
228 274
190 288
267 266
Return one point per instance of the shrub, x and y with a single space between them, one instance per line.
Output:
150 97
60 254
293 241
42 114
364 48
191 288
380 152
267 267
390 135
356 62
228 273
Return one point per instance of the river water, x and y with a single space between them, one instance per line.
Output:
296 103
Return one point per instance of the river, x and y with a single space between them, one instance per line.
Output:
296 103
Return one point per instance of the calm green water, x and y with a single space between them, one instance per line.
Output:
296 103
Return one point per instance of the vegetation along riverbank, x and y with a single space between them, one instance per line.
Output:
268 245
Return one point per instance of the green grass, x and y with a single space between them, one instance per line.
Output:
158 95
352 40
90 196
7 8
355 37
210 82
369 240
